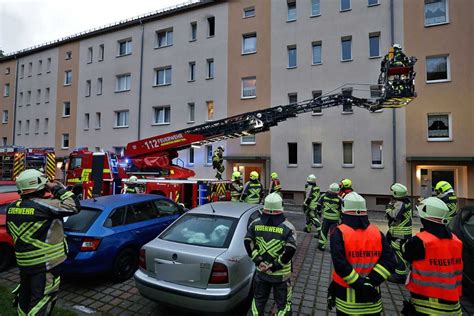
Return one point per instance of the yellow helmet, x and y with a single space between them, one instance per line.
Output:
443 187
236 175
346 183
274 175
254 175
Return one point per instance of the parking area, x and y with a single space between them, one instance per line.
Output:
312 269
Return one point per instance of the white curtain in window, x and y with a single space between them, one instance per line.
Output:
435 11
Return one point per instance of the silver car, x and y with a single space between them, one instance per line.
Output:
199 262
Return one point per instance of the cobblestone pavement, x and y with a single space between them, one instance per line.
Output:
312 270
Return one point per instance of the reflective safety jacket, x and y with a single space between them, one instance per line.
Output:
252 192
363 249
235 191
131 190
311 196
399 214
275 186
439 274
452 202
217 156
36 225
330 205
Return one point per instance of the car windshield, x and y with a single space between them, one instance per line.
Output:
8 188
202 230
81 221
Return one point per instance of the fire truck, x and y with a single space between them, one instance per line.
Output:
151 159
15 159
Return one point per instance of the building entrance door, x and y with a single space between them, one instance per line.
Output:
442 175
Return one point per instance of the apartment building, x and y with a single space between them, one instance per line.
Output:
439 122
7 101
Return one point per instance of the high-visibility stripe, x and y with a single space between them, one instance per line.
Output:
382 271
352 277
446 286
35 253
447 275
434 303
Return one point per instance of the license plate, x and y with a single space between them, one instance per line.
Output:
178 272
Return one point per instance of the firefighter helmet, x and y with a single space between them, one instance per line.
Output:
334 187
133 179
254 175
220 148
274 175
311 179
397 46
346 183
443 187
31 180
273 204
398 190
236 175
354 204
434 210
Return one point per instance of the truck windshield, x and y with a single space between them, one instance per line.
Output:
76 162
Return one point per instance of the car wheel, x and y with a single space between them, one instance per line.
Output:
7 256
125 265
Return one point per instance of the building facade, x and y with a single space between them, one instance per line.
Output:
7 101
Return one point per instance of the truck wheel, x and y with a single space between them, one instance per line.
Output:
125 265
7 256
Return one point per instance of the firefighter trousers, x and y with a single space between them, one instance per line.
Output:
402 269
282 294
326 230
37 293
311 220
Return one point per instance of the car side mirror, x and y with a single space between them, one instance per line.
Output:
181 208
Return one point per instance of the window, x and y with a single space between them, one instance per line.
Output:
249 12
166 208
46 95
193 31
22 71
317 154
86 121
46 125
119 150
37 126
210 110
316 94
123 83
249 43
347 154
27 127
249 87
68 55
248 140
28 98
191 112
19 128
99 86
317 53
372 2
374 44
192 71
437 69
377 156
346 48
211 24
292 98
161 115
90 54
7 70
436 12
292 154
210 69
124 47
291 56
30 69
345 5
6 90
40 66
98 120
4 141
163 76
38 96
439 127
191 156
164 38
291 14
66 108
48 65
101 52
315 7
88 88
208 154
121 119
20 99
64 141
5 117
67 77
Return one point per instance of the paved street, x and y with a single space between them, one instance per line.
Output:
312 270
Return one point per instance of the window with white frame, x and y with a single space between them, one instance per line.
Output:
5 117
124 47
191 156
248 140
347 154
46 95
316 94
373 2
291 11
98 122
210 68
211 26
346 48
293 98
20 99
66 108
374 44
37 126
210 110
164 37
101 52
192 71
436 12
67 77
317 154
208 154
163 76
161 115
317 53
123 82
46 125
68 55
292 154
249 87
38 96
437 69
345 5
191 112
439 127
48 65
6 90
121 119
99 86
28 98
88 88
193 31
86 121
377 153
292 62
18 131
27 127
315 7
40 66
249 43
64 141
249 12
90 55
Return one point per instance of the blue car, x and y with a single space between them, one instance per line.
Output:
106 236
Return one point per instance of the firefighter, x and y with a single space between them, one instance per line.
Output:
435 255
395 58
132 185
271 243
329 205
445 192
362 260
345 187
36 225
252 192
236 186
218 162
275 185
311 198
399 214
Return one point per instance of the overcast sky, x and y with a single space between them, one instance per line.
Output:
27 23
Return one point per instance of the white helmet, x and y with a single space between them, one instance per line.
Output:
311 179
397 46
133 179
354 204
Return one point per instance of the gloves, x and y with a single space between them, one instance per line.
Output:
257 260
369 292
275 266
331 296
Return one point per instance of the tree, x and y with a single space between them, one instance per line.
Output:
1 53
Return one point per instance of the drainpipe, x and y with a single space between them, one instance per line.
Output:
394 117
14 103
140 81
